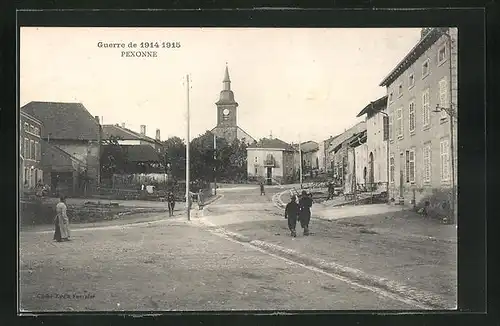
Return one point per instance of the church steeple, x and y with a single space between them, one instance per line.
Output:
227 81
226 95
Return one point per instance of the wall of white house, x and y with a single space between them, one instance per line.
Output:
378 146
255 162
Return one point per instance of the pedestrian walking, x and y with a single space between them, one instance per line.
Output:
171 203
331 190
200 199
291 214
61 221
305 204
262 192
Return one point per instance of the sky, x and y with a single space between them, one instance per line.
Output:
294 83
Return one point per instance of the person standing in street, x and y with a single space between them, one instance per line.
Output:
171 203
331 190
61 221
262 192
305 204
291 214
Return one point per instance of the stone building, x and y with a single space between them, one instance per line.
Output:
71 128
271 161
421 142
30 155
227 115
377 129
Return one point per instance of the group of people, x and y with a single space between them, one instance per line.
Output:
299 210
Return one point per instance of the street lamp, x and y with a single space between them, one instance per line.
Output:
388 159
452 115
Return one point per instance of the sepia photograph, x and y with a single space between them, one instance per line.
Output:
237 169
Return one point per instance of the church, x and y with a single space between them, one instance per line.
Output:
227 114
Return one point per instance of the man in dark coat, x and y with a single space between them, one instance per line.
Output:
305 204
262 192
292 213
171 203
331 190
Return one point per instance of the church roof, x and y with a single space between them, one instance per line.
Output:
272 143
226 75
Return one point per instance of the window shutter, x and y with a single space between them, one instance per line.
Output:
391 131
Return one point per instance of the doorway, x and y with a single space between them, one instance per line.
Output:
269 176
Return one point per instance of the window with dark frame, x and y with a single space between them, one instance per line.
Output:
386 127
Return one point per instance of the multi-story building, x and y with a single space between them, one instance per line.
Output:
30 155
271 160
71 128
126 136
377 129
421 90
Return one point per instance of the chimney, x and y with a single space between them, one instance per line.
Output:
123 124
158 134
143 130
97 119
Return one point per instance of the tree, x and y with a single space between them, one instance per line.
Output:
113 158
175 156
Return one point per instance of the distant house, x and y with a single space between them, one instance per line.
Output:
356 174
126 136
271 160
30 168
337 151
71 128
310 156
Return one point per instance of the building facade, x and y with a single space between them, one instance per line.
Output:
377 129
227 115
420 135
72 129
30 151
271 161
126 136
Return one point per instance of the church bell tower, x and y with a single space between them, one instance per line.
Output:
226 105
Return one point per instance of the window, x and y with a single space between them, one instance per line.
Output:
411 115
445 160
255 171
400 89
411 80
425 68
32 150
26 127
386 127
442 54
390 98
391 135
37 151
32 129
426 108
256 159
392 169
411 166
399 123
26 148
427 162
443 96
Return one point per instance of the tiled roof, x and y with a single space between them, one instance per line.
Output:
140 153
357 128
430 36
123 133
373 107
69 121
309 146
272 143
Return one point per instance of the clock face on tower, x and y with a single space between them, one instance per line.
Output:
225 114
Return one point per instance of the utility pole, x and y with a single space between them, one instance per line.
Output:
188 195
215 165
300 165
